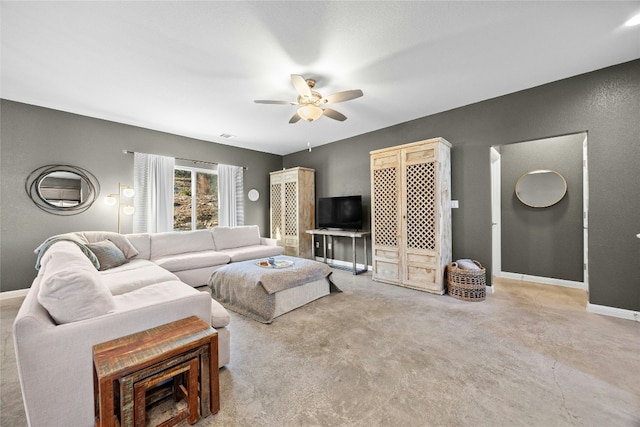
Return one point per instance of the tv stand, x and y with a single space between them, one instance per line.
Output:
341 233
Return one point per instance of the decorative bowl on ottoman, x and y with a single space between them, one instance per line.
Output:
273 263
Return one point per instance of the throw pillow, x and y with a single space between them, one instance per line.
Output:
119 240
108 254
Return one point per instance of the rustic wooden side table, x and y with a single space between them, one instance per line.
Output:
134 363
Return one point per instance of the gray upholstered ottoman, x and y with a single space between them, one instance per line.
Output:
262 292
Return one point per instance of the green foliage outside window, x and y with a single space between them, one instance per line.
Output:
205 200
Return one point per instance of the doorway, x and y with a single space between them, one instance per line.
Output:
524 235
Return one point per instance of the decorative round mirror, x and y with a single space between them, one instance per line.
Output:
541 188
253 195
62 189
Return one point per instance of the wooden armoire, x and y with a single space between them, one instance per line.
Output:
293 212
411 214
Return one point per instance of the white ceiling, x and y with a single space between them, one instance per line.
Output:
194 68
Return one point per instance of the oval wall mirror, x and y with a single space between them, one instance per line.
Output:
541 188
62 189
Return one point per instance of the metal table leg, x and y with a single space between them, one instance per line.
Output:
353 254
324 247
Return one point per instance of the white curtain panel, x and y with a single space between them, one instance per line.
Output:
153 184
230 196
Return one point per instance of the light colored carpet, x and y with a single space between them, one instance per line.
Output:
381 355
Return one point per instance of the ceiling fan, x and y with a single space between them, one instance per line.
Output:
312 103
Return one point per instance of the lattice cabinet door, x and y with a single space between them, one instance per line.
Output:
290 223
420 211
277 205
385 212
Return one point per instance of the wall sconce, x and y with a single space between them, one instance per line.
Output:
112 199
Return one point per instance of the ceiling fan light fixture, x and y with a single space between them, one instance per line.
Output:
311 104
310 112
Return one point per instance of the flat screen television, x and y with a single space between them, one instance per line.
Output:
340 212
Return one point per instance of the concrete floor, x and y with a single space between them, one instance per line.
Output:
381 355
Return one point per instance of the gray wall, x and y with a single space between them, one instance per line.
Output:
605 103
544 242
341 170
32 137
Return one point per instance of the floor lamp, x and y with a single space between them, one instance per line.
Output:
123 208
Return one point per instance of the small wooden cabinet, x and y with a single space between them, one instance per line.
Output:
411 214
292 198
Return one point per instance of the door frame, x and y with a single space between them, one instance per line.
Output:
496 224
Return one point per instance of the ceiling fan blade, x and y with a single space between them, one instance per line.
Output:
301 85
295 118
345 95
267 101
333 114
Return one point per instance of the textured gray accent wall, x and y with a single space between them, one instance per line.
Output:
33 136
544 242
605 103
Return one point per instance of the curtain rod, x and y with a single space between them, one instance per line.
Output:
187 160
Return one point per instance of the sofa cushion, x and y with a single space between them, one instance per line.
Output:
252 252
142 242
180 242
152 294
235 237
71 289
108 254
192 260
118 239
167 291
136 274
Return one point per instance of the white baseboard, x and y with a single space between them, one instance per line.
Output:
614 312
543 280
13 294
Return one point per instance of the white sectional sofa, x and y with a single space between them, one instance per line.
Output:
75 303
194 255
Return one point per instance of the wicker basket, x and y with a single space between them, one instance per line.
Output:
466 285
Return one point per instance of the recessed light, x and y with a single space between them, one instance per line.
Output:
633 21
227 135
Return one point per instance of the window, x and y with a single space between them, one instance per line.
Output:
195 198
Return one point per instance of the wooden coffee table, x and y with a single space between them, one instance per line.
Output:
187 348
